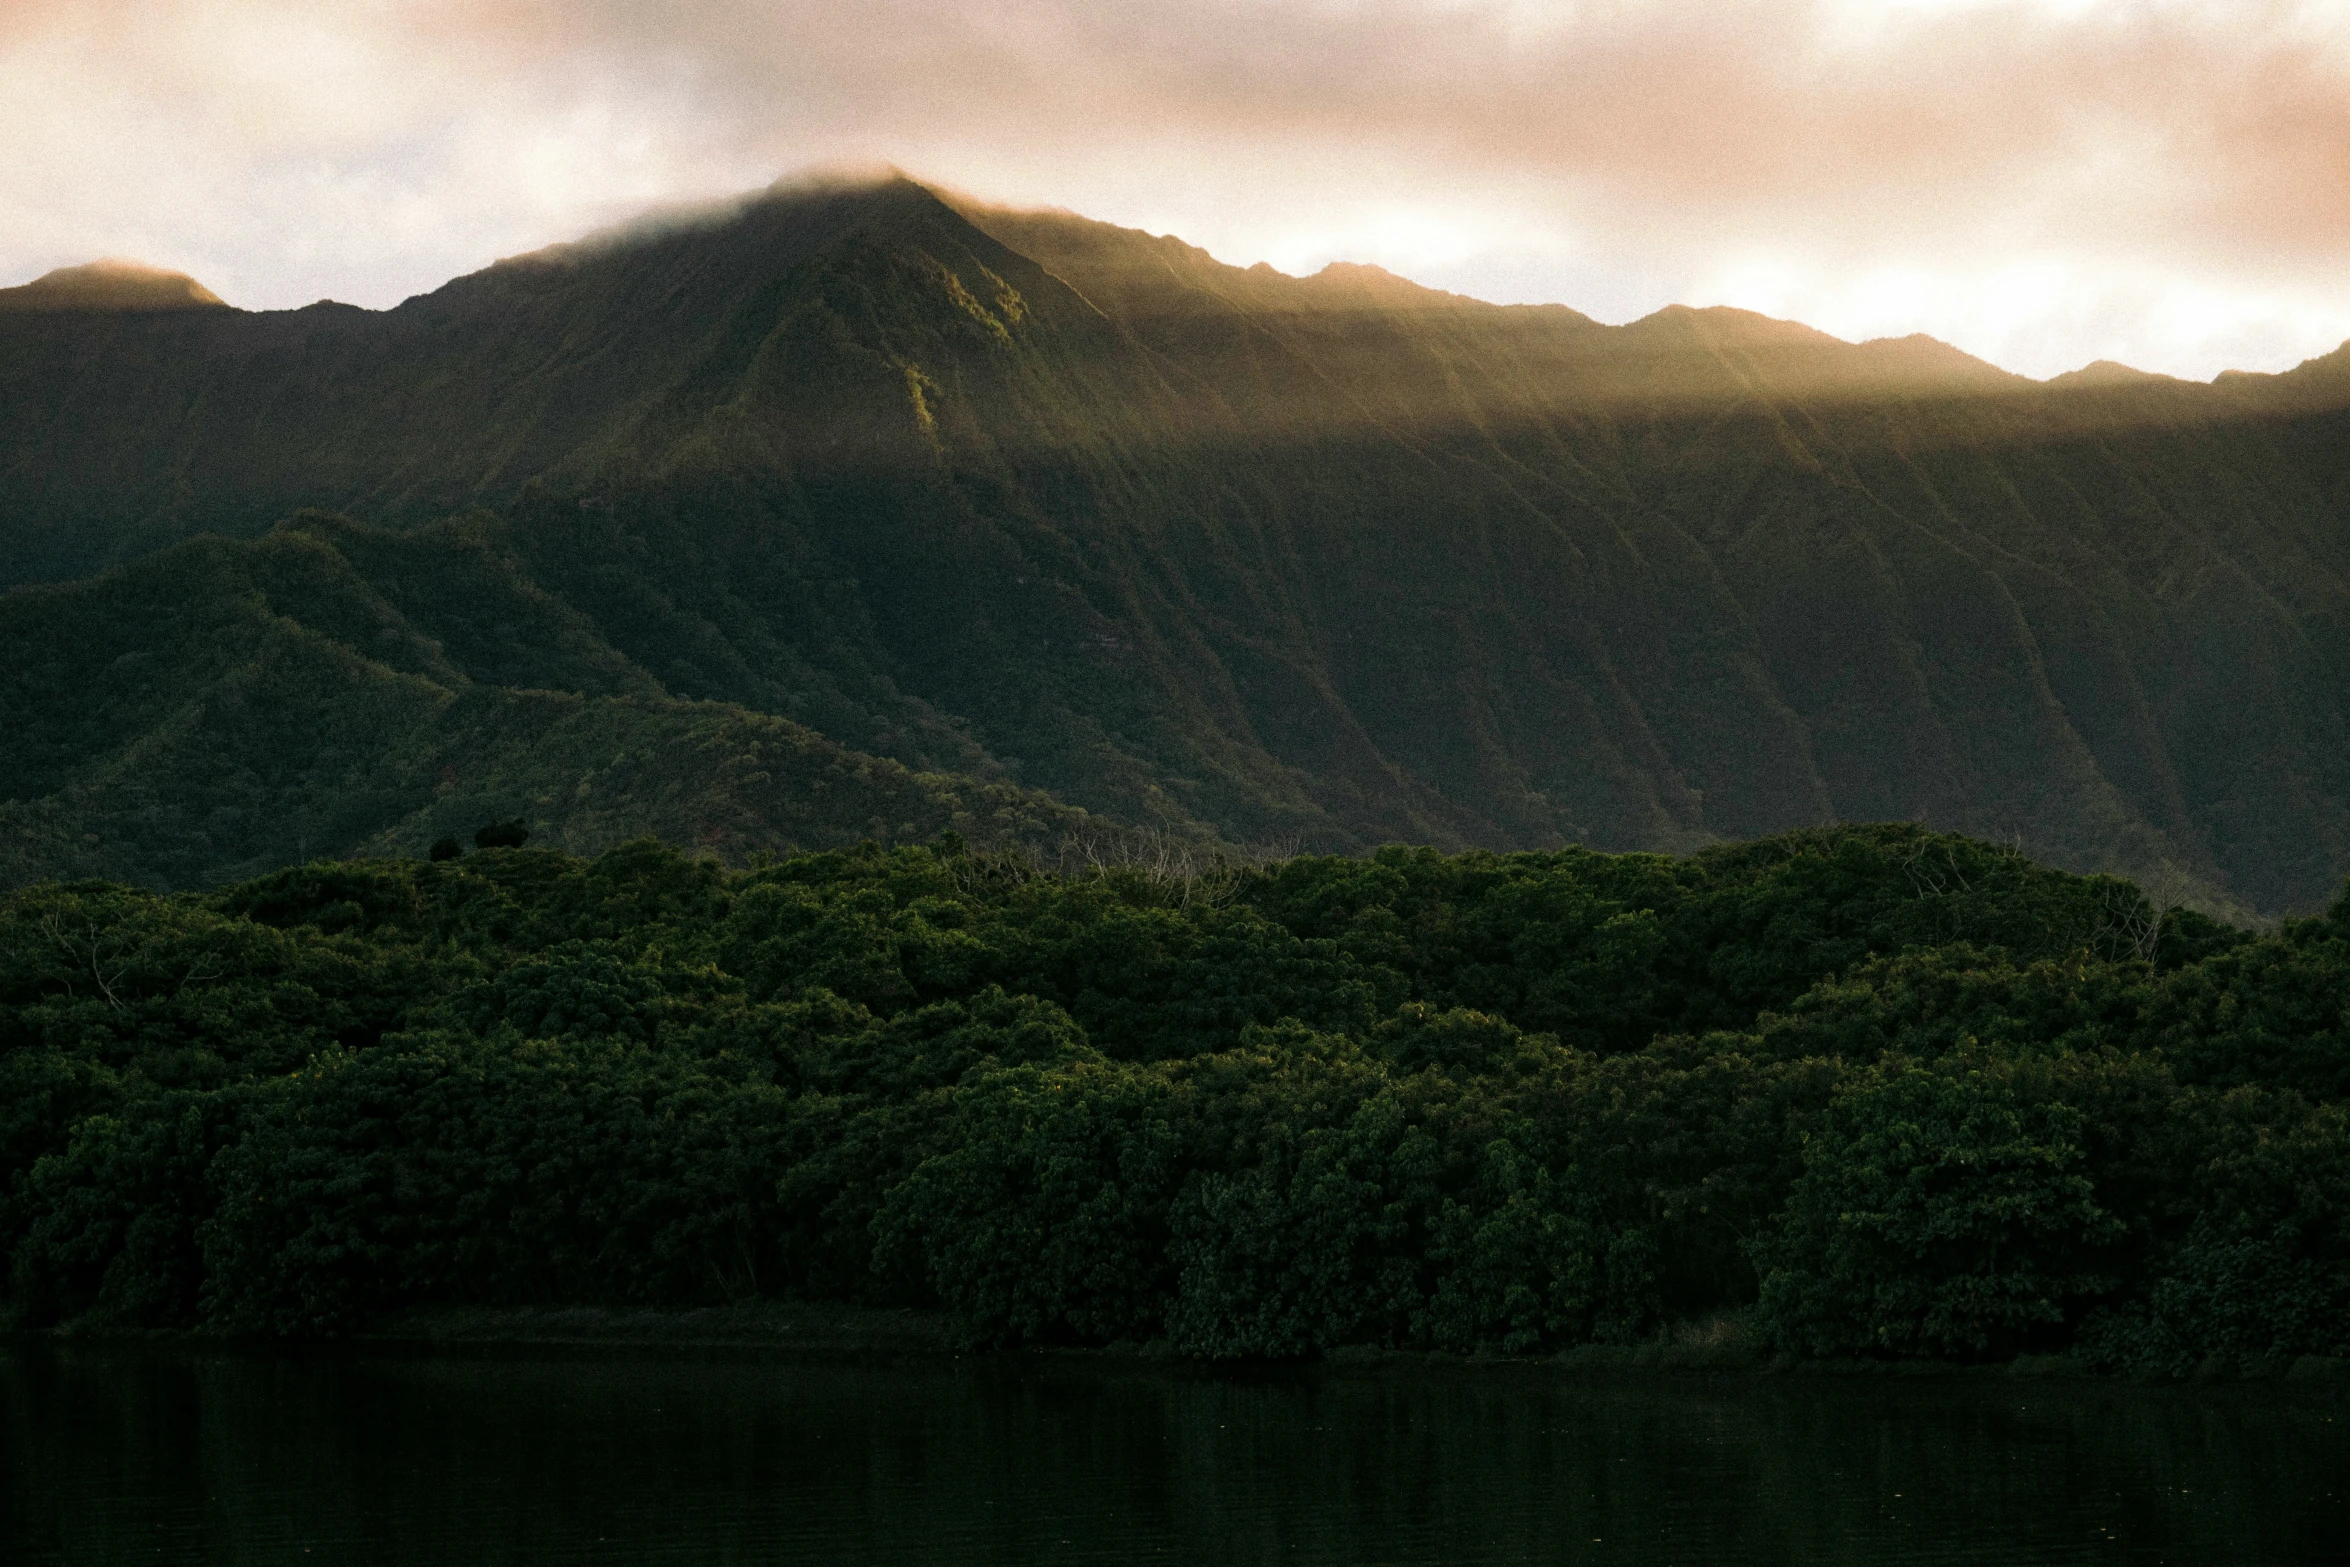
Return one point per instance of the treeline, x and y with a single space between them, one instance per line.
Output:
1872 1091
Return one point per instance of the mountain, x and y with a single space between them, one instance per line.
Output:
236 706
111 286
1079 520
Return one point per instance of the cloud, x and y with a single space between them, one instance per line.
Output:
2042 181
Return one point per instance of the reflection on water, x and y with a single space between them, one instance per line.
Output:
121 1456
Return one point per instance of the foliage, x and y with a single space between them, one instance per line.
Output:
1940 1211
1475 1103
509 834
2261 1272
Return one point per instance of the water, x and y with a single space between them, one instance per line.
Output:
125 1456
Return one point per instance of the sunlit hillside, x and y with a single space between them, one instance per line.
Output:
1065 517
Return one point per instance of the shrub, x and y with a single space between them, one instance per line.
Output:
502 835
1941 1211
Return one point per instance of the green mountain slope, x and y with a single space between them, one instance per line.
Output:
1030 500
228 705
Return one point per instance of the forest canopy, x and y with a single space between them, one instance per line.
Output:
1868 1091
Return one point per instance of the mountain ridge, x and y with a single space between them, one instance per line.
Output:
1246 558
62 282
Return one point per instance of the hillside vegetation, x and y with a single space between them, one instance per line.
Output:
1872 1092
225 709
1030 503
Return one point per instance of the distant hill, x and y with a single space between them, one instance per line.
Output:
114 286
1081 517
227 706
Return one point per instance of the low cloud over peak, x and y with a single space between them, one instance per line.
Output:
2041 182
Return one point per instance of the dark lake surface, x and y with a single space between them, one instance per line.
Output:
115 1455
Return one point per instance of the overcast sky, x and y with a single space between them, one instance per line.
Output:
2043 182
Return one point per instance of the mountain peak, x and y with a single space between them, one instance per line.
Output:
1929 359
2106 372
842 193
1732 326
112 285
1379 285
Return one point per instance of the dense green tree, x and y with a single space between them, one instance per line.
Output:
1942 1210
1476 1103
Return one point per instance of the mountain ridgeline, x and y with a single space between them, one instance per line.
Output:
857 512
